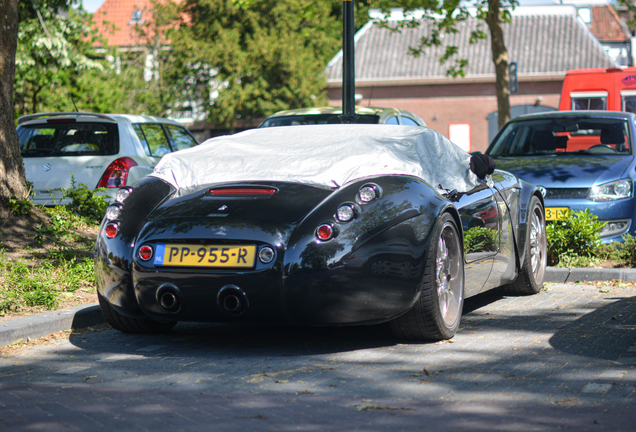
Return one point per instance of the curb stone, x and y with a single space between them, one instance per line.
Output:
563 275
43 324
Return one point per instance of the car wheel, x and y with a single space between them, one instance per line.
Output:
530 278
132 325
437 312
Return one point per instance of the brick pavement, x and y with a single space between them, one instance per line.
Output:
562 359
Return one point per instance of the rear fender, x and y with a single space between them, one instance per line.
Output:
113 257
372 267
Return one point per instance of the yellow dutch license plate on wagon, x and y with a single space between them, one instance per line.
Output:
556 213
189 255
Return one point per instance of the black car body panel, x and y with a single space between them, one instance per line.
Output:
370 271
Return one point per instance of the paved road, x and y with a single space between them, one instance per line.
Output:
563 359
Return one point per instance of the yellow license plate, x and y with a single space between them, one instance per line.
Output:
189 255
556 213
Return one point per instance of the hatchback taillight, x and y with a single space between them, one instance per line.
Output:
117 173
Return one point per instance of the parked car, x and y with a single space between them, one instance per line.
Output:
99 150
319 225
580 160
329 115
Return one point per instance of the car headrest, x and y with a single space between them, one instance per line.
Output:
612 135
544 141
561 142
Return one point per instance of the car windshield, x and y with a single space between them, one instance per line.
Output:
564 135
68 139
314 119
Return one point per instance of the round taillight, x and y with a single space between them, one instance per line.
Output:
266 255
345 213
113 211
324 232
111 230
368 193
122 194
145 253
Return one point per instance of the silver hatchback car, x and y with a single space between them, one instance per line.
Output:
100 150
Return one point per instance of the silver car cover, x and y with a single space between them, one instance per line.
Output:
321 155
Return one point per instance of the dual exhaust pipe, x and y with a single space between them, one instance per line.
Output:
230 298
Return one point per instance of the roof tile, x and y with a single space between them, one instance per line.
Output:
539 44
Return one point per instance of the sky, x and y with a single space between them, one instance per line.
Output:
92 5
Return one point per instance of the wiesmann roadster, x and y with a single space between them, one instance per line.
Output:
320 225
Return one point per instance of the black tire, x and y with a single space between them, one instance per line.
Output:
530 278
132 325
437 312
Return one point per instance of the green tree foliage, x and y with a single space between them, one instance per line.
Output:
442 17
54 47
250 58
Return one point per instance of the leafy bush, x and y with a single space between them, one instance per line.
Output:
578 235
85 202
627 250
622 253
20 207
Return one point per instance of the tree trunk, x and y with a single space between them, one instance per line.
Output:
12 179
500 59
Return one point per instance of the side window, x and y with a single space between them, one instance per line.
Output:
629 103
583 101
154 139
392 121
180 137
142 138
409 122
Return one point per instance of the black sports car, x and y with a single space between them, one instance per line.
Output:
321 225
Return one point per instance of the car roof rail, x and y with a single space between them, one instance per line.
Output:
30 117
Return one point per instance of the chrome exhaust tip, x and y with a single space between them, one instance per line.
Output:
169 298
232 300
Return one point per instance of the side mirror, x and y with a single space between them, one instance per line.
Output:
482 165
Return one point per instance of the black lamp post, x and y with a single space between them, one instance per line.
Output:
348 64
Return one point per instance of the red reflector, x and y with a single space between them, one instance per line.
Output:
111 230
117 173
241 192
324 232
145 253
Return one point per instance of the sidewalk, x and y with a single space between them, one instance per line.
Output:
43 324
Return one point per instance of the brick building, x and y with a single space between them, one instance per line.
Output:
544 41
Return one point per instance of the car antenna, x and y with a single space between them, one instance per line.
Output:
371 95
76 110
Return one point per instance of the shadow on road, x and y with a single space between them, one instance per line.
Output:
606 332
260 339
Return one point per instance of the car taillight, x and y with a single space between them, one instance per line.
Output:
111 230
243 192
117 173
324 232
145 253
